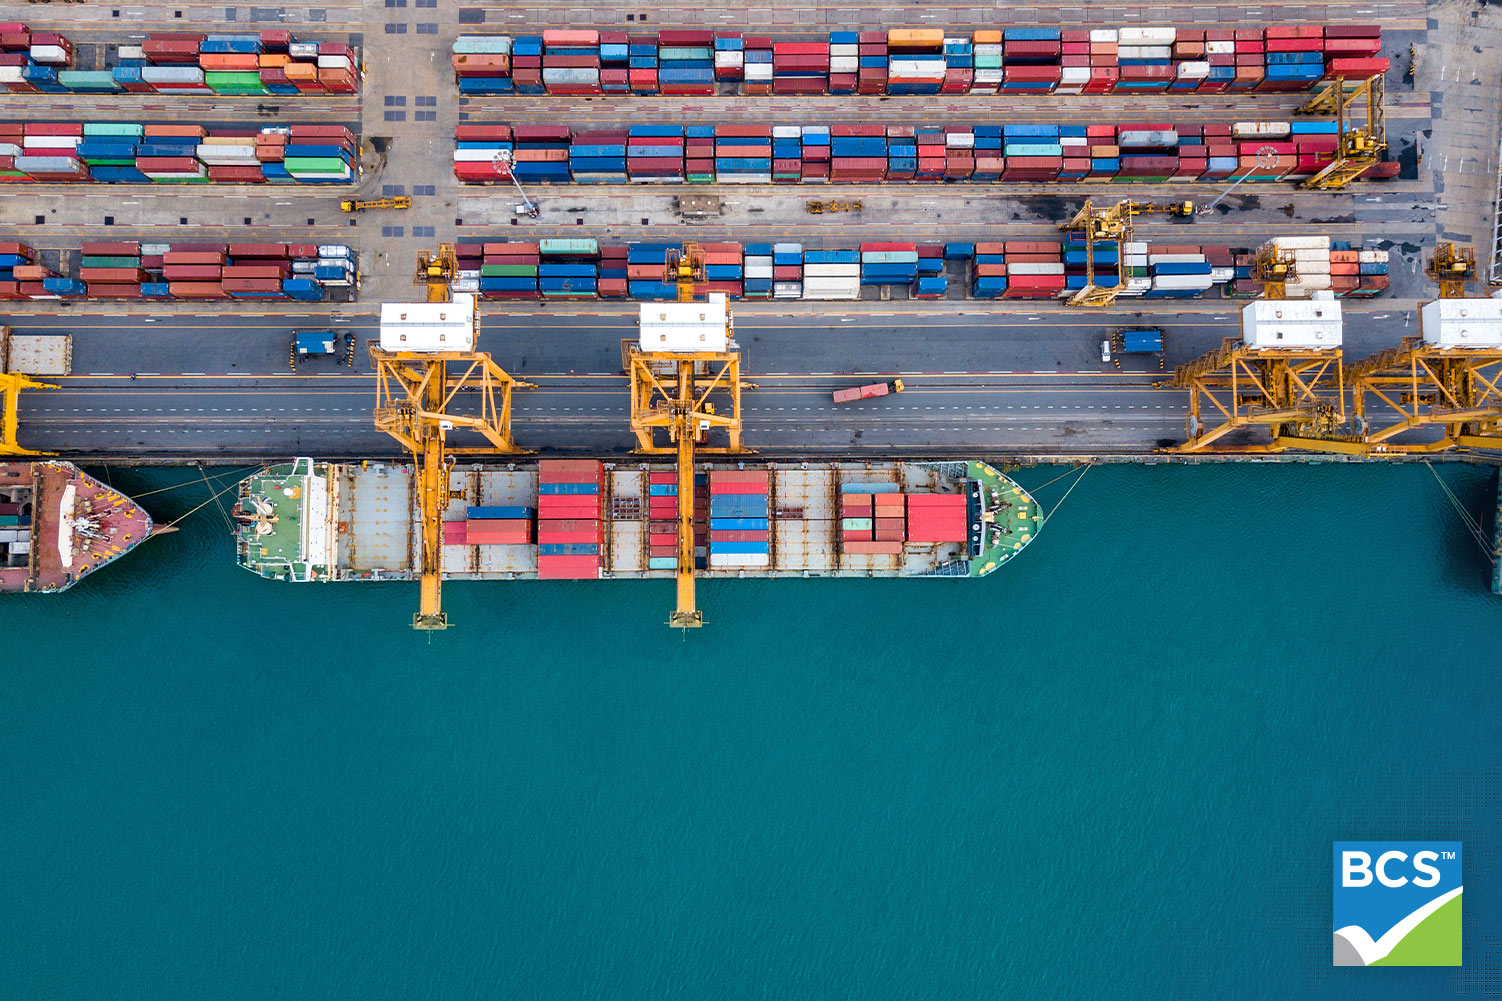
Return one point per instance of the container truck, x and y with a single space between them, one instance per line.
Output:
867 392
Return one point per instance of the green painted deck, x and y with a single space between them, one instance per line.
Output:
272 554
1019 517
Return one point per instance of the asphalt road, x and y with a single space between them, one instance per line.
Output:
184 387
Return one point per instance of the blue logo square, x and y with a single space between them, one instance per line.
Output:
1397 903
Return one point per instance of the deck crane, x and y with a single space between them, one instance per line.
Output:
1275 269
1358 149
1112 223
424 359
1283 374
683 355
684 268
1448 377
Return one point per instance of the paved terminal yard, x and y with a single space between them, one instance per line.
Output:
198 381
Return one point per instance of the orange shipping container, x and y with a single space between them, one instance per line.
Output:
230 62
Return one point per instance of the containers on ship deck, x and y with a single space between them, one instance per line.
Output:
569 495
739 519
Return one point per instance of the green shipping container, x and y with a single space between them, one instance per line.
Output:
88 80
507 270
570 247
315 165
97 261
856 524
234 83
132 130
10 519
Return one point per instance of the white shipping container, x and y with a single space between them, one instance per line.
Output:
923 69
1071 76
334 63
831 271
10 74
1301 243
995 76
787 131
758 71
226 154
729 60
988 49
1175 258
1104 35
475 155
758 270
960 140
132 52
172 74
844 49
787 290
51 142
737 178
735 561
303 50
1147 36
52 55
828 288
1035 269
1194 70
1181 282
1220 48
844 64
334 250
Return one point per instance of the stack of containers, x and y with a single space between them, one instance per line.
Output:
858 154
1074 62
959 66
800 67
758 66
541 153
1148 152
889 263
1311 256
815 154
1145 58
987 56
662 521
262 270
1220 57
496 526
646 265
475 152
509 270
1220 152
1030 58
902 152
1294 57
959 153
1034 269
988 271
758 271
722 269
932 282
615 62
15 256
598 156
872 519
1107 256
109 148
739 519
1354 51
844 62
932 153
872 77
915 61
482 64
319 154
1315 144
571 61
698 154
1105 68
1178 272
338 68
787 271
641 73
1134 269
729 56
787 154
569 268
112 270
686 62
655 153
1033 153
169 153
335 267
614 280
1372 274
231 158
936 518
568 507
526 65
832 274
743 154
1250 60
49 152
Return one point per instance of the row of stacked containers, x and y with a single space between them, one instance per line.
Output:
146 153
582 268
570 523
195 271
662 517
739 520
1141 152
232 64
877 519
908 61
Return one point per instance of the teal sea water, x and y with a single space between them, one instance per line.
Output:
1113 769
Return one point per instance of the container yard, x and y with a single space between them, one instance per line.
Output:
917 61
239 64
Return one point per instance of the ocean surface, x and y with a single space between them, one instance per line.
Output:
1113 769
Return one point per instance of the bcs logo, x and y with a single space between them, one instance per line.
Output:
1397 903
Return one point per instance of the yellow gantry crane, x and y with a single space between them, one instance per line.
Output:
1275 269
1447 377
1358 149
425 358
11 384
1283 374
1112 223
684 354
684 268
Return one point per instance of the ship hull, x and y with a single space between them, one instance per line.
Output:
59 525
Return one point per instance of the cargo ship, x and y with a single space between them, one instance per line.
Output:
572 519
58 525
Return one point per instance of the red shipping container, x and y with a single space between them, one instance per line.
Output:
873 548
567 567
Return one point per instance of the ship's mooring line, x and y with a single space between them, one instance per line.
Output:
1067 472
229 525
187 483
1060 504
1471 524
206 503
